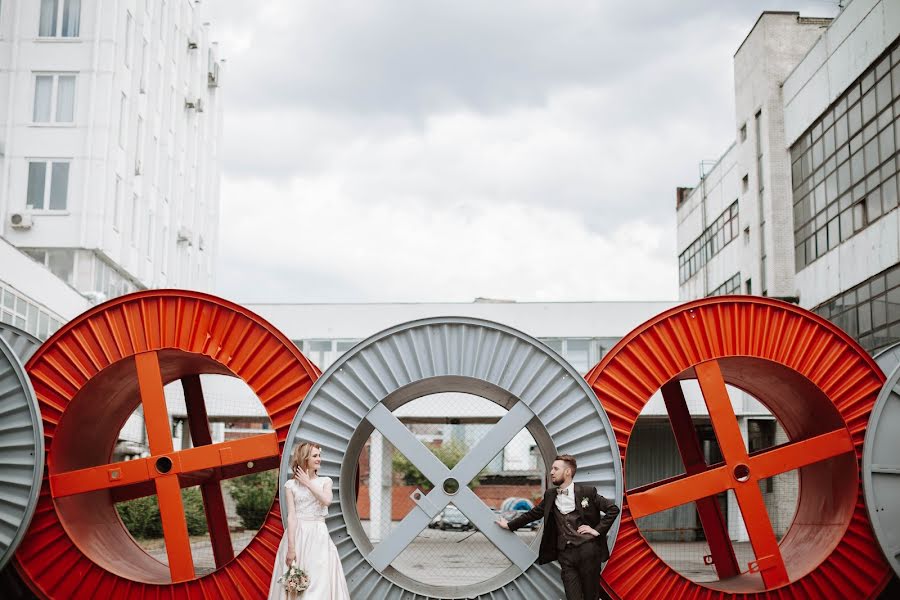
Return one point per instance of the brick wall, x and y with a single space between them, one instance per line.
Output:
401 503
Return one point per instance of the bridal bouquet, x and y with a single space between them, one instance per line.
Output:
295 580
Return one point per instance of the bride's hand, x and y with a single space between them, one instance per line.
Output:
290 558
301 476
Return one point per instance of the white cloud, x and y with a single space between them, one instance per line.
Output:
442 151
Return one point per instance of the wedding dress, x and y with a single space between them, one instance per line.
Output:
316 553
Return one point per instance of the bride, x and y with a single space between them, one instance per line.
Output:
306 540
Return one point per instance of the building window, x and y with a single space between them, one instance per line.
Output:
581 353
60 262
60 18
324 352
116 204
110 282
744 132
145 65
48 185
54 99
18 311
129 23
139 148
732 286
869 312
123 119
150 228
134 234
718 235
844 167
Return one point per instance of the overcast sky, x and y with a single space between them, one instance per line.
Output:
424 150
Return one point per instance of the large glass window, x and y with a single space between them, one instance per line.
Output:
724 229
16 309
48 185
870 312
54 99
732 286
324 352
60 18
852 148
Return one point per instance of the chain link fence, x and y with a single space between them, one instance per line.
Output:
450 551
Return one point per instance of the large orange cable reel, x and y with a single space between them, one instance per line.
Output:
88 378
817 382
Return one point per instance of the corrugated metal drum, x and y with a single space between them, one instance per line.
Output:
21 445
23 344
881 469
89 377
819 384
888 358
540 391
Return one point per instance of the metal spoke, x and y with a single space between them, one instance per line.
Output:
396 542
721 412
153 399
711 518
213 501
484 519
492 444
670 493
403 440
429 505
795 455
175 533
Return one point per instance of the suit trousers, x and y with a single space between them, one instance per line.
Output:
581 566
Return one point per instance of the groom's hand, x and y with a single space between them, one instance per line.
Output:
503 523
588 529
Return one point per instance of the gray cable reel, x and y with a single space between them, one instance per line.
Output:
21 440
358 394
881 461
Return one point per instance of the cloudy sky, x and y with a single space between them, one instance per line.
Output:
425 150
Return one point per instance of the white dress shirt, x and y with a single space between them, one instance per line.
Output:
565 503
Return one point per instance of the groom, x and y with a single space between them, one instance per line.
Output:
576 521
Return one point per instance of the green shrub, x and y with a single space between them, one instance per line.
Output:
253 495
141 515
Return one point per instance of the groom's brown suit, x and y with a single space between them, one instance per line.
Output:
580 559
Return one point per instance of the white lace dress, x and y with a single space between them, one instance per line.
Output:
316 553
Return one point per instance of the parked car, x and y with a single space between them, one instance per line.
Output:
451 518
509 515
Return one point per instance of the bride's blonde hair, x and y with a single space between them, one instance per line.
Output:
300 455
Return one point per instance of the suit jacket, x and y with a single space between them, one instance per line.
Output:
599 512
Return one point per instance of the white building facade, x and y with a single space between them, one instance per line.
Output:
734 226
110 122
813 171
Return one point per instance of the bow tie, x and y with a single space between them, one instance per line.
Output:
564 492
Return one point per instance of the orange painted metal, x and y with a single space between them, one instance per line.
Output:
144 469
819 384
721 552
89 377
213 501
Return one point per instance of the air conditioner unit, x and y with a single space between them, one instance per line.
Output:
195 104
192 45
184 235
20 220
212 77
